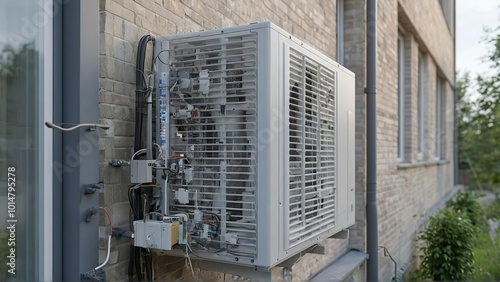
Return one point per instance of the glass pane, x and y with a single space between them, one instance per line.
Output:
22 24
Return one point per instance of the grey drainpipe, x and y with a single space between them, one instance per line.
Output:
371 140
455 116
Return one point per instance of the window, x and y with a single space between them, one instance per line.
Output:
440 119
401 98
340 31
448 8
422 81
26 99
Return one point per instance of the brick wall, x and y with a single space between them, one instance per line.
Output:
404 193
122 23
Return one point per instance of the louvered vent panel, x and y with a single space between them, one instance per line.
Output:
222 140
311 160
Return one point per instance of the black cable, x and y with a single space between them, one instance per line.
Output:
131 263
140 88
158 56
148 264
137 263
138 98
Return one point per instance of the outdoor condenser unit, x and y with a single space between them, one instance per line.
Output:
256 131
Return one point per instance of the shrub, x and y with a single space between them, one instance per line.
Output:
465 204
493 211
447 254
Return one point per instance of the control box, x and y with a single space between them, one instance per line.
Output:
156 234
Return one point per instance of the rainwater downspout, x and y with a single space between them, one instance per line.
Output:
455 96
371 141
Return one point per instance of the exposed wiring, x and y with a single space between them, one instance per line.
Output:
189 258
173 86
387 254
141 151
109 219
109 238
131 201
158 57
144 79
158 146
107 256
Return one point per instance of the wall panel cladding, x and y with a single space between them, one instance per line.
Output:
122 24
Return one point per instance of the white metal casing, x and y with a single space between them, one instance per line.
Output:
271 208
155 234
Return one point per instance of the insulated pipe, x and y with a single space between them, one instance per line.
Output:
371 140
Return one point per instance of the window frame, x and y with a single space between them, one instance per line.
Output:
401 97
439 119
422 82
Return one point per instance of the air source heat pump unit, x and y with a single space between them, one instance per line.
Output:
257 136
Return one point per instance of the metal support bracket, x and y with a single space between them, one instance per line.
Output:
119 163
90 213
94 276
315 249
344 234
92 188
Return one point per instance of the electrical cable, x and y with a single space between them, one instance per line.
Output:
141 151
109 238
158 57
386 253
140 88
142 258
109 219
189 259
107 256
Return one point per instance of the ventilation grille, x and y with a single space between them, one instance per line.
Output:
311 203
221 142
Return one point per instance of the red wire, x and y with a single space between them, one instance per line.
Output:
109 218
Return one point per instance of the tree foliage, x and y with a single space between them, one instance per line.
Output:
479 118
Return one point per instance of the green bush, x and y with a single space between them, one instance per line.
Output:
465 204
447 254
493 211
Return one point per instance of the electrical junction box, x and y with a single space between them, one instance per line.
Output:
156 234
265 125
141 171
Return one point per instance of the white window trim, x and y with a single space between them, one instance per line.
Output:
45 217
401 98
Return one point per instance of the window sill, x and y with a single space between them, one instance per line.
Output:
422 163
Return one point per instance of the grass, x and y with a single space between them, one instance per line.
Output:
486 258
487 252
